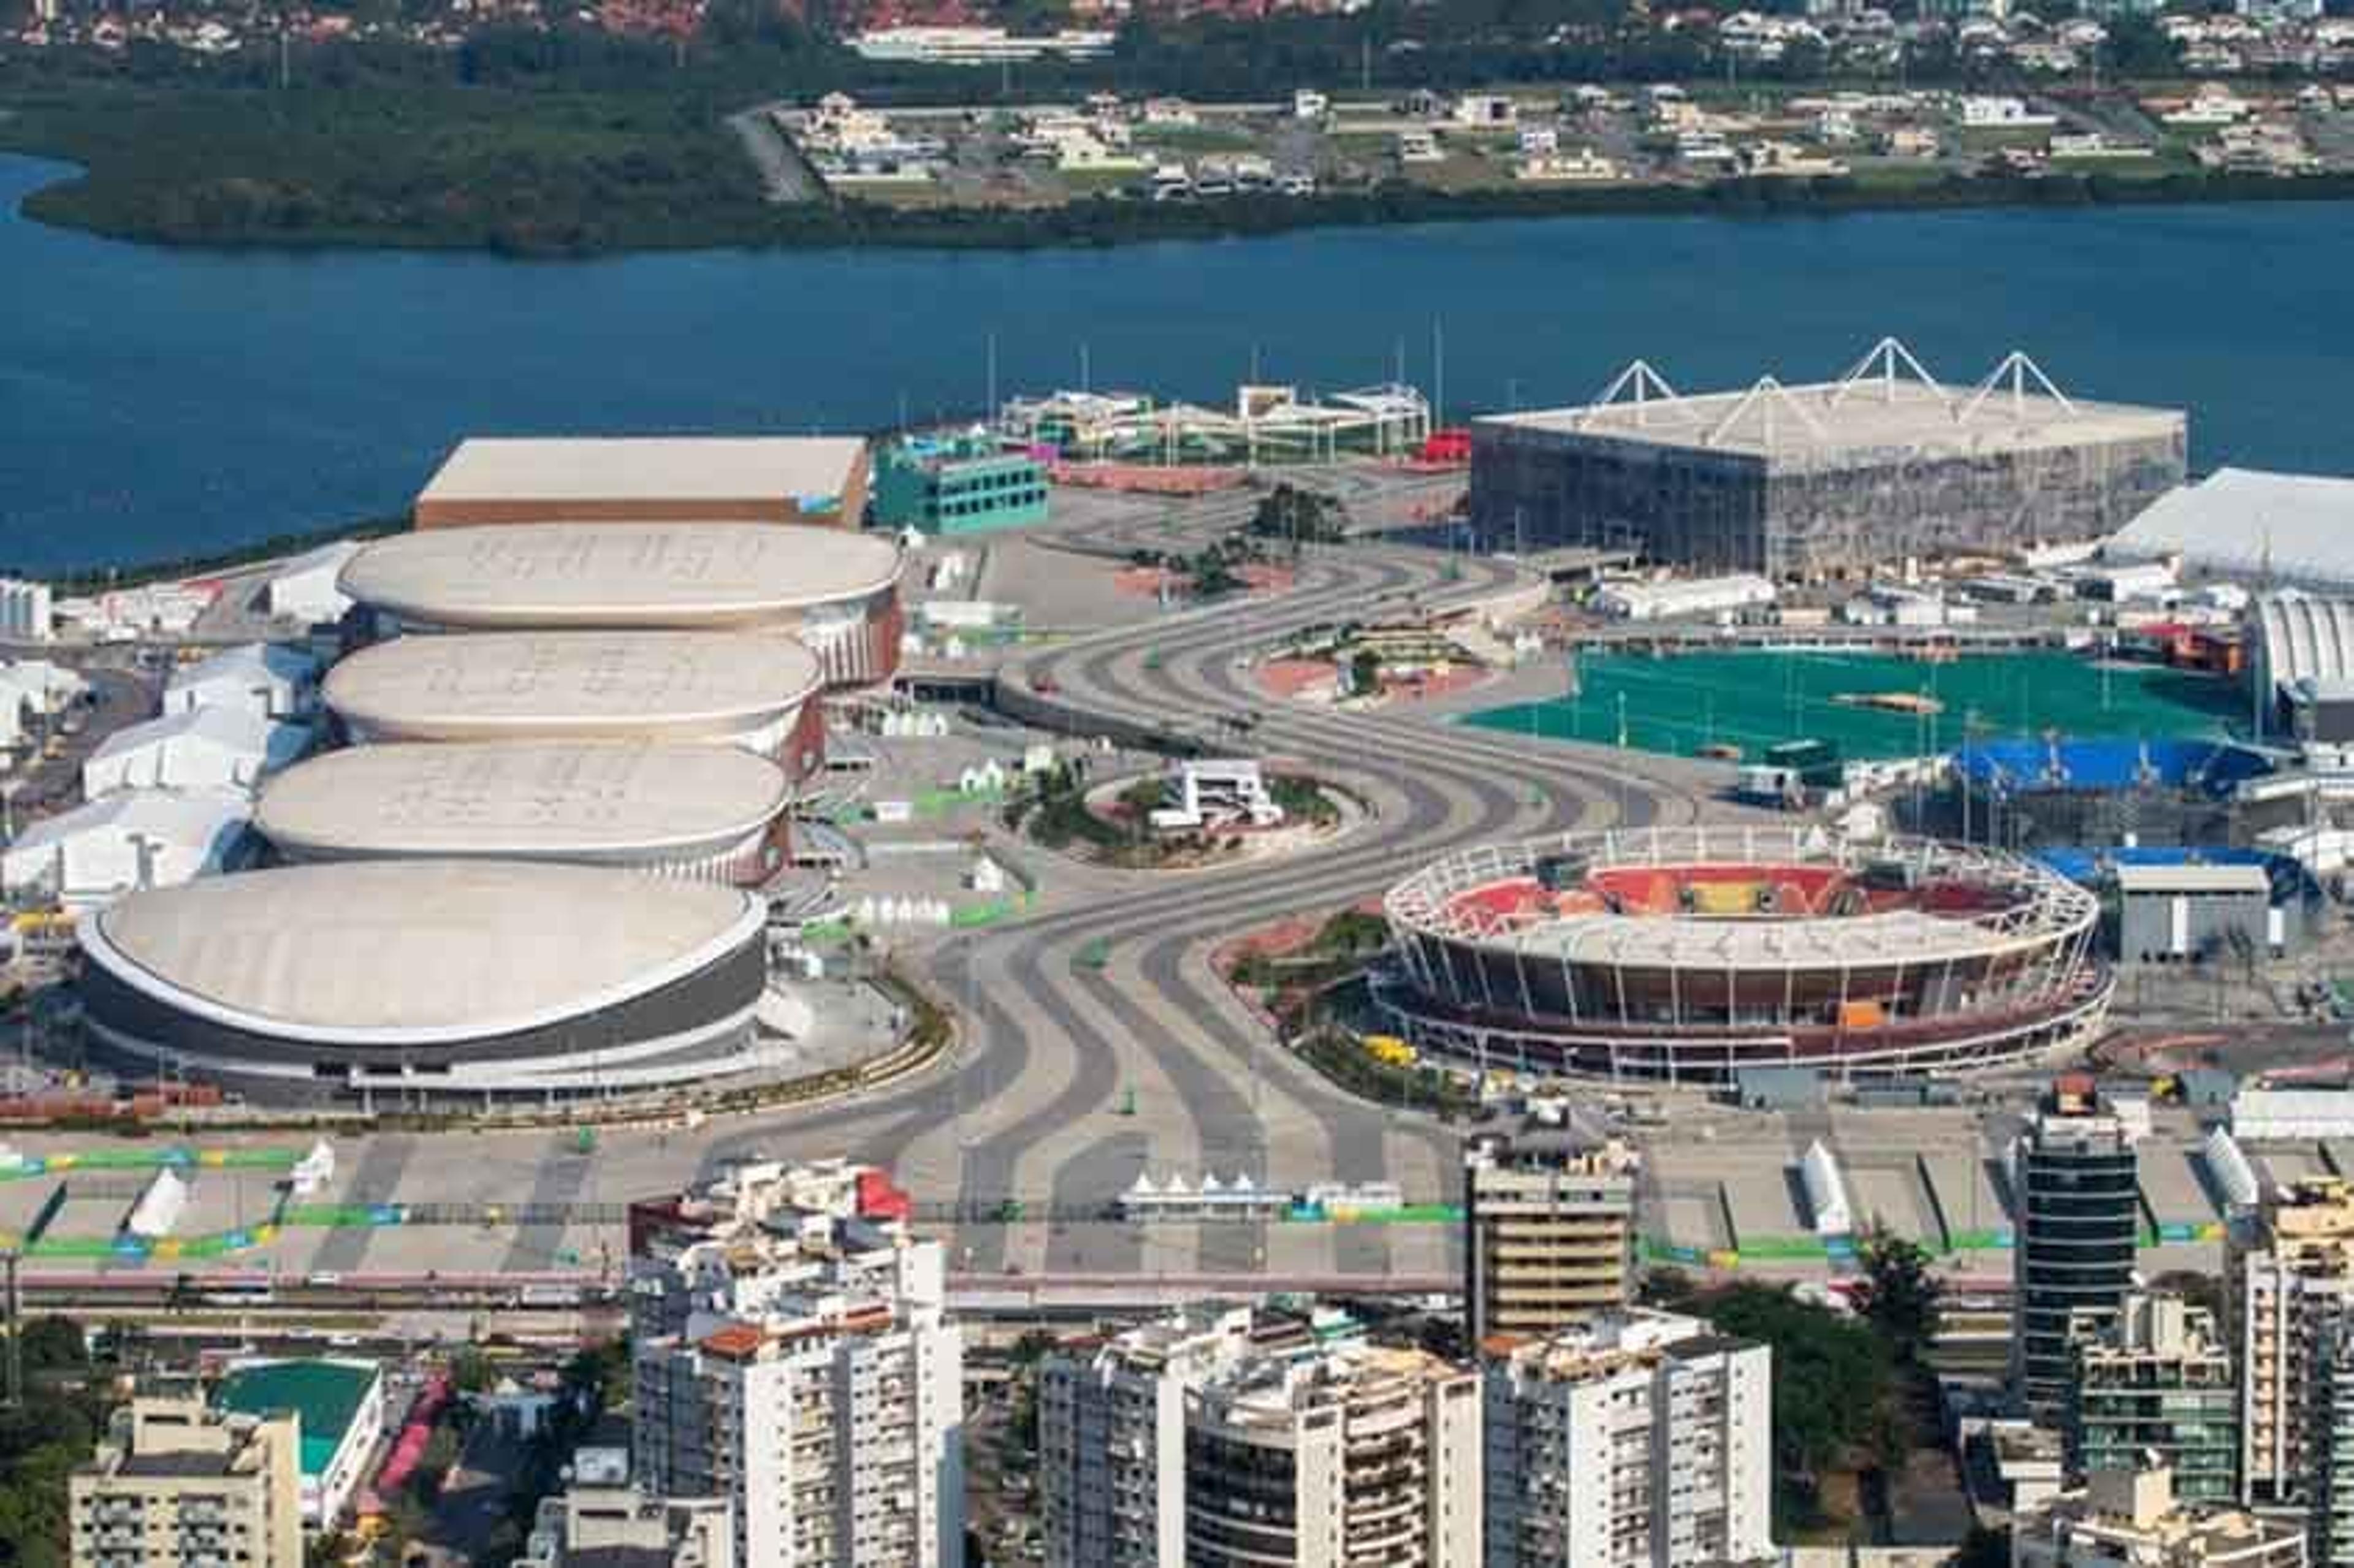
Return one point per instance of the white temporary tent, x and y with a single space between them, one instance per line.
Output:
269 680
199 748
2287 529
136 838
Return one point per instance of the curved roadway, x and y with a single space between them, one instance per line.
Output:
1034 1104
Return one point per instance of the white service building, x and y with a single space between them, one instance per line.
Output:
268 680
195 749
304 589
92 855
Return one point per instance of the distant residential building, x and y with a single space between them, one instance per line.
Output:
340 1405
2158 1382
1221 1436
792 1355
2129 1518
2289 1273
174 1485
1548 1226
621 1527
978 45
958 485
2079 1211
1642 1440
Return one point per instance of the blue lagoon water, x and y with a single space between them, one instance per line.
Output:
157 402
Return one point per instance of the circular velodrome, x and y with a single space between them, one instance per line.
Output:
1688 953
708 811
444 975
834 589
737 688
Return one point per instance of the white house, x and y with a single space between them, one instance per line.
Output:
268 680
88 857
304 589
197 748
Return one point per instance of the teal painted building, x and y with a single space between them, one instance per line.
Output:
957 485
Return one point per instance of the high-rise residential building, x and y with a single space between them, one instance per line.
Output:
2289 1272
621 1527
176 1485
1640 1440
1548 1226
2130 1518
2078 1205
1223 1437
2157 1381
2329 1433
791 1354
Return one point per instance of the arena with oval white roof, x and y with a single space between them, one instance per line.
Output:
742 689
714 813
428 977
1689 953
836 590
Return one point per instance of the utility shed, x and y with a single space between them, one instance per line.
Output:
2177 913
1778 1088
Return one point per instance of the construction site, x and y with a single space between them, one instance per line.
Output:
1810 480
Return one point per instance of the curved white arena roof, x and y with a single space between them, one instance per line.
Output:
417 950
581 685
2299 638
532 799
553 574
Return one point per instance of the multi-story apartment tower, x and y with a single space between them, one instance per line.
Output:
1548 1226
2289 1273
2157 1381
791 1354
1641 1440
1227 1438
2078 1205
175 1485
2329 1433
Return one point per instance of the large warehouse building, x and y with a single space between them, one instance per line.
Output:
702 811
1688 954
428 977
1799 481
838 592
653 479
729 688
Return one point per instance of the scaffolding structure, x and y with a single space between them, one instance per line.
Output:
1793 480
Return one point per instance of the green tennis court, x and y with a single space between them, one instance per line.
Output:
1682 703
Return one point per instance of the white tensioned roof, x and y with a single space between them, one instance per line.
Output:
2243 523
420 950
204 819
618 574
508 683
648 468
536 798
2049 906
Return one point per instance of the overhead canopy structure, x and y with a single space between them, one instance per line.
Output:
2300 638
2285 529
1268 424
